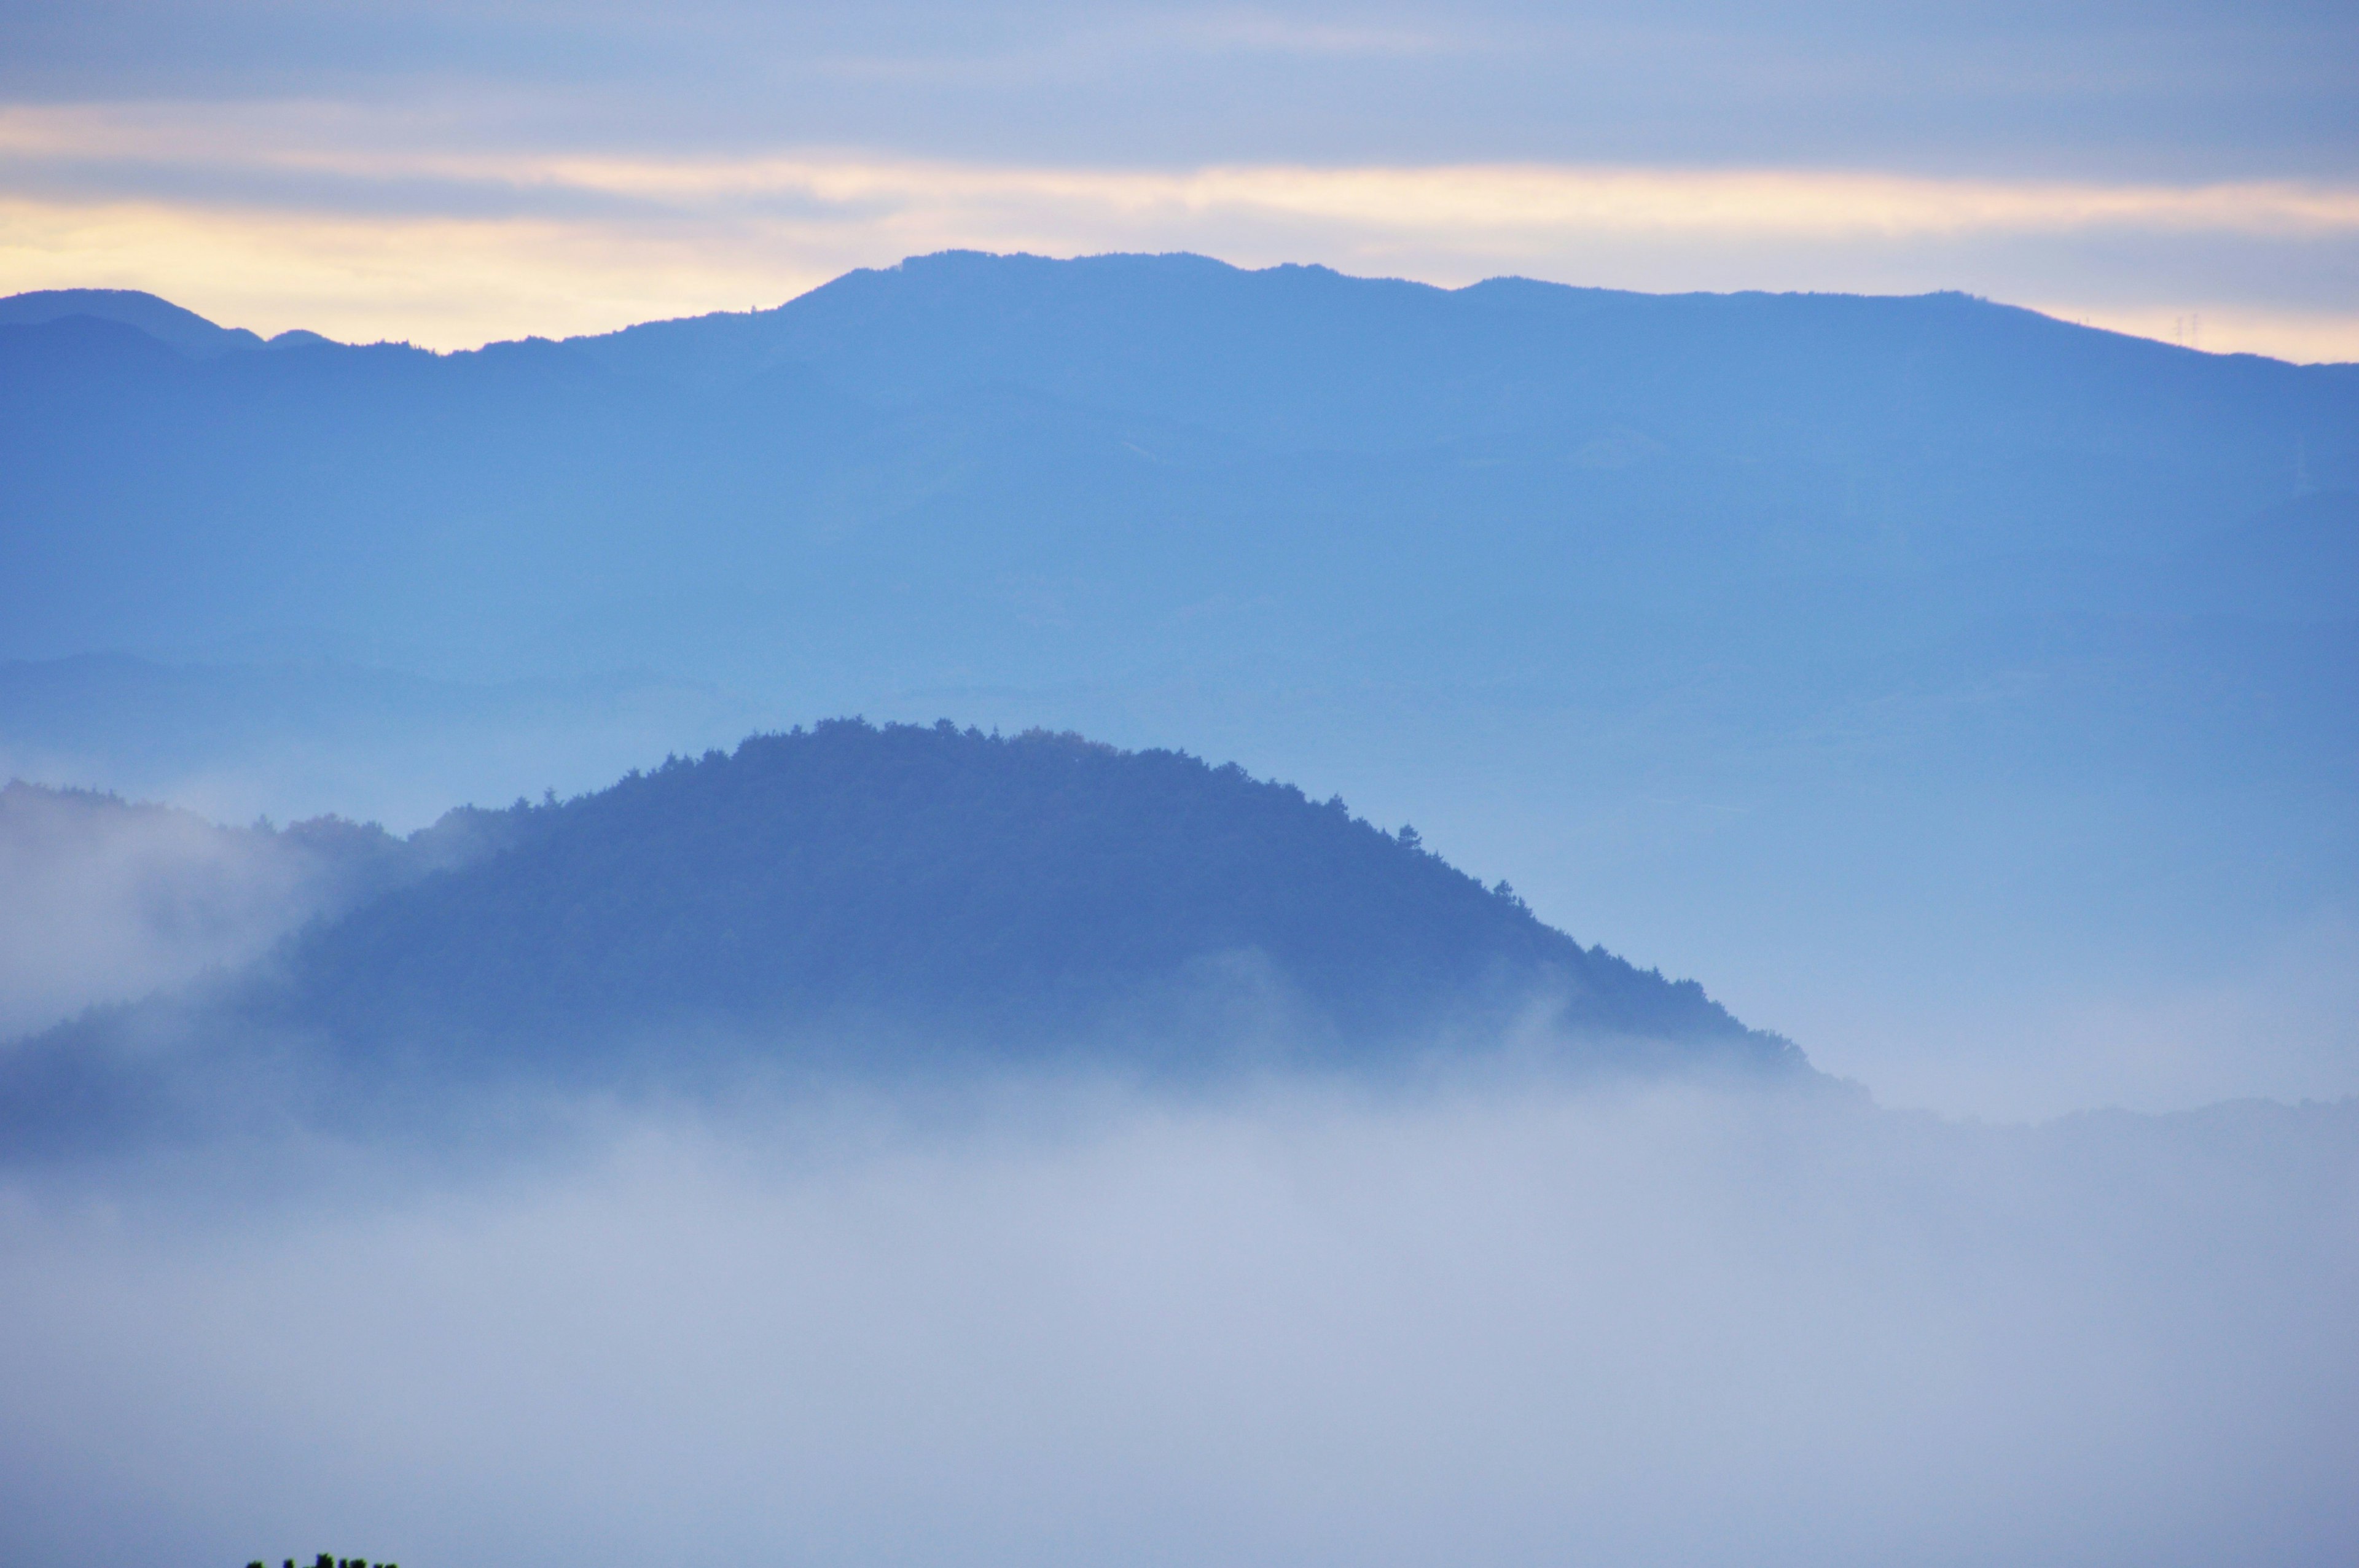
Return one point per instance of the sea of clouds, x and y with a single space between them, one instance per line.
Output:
1506 1321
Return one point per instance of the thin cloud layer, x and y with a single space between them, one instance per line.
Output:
331 222
2217 89
454 174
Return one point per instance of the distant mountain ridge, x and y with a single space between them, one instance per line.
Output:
182 329
927 472
1307 355
896 900
1135 434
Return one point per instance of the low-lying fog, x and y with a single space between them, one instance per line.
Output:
103 901
1506 1322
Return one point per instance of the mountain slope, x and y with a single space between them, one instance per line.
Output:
940 871
873 900
1996 401
183 329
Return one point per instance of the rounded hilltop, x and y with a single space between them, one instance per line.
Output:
1037 887
882 902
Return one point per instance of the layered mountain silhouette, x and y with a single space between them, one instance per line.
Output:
1003 472
1960 650
184 330
882 900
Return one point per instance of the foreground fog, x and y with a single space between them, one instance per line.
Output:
1497 1324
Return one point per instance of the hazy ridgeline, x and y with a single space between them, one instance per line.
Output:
108 900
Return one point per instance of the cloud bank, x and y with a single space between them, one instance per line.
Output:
1495 1324
332 224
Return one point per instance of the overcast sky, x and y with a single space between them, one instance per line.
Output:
451 174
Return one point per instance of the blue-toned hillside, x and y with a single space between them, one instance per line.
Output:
963 879
884 902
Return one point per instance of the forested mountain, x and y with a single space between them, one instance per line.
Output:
851 899
184 330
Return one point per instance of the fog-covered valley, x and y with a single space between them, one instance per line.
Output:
1489 1321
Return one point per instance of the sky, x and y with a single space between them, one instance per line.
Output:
452 174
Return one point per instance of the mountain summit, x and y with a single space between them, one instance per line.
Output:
182 329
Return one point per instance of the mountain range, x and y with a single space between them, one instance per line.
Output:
1876 657
1005 468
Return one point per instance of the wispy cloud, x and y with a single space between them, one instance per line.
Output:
352 223
124 148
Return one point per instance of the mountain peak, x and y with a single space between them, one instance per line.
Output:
182 329
167 323
984 885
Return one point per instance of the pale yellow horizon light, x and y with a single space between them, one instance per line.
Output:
1819 203
1830 202
640 238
